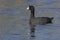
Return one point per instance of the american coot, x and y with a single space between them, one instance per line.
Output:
37 20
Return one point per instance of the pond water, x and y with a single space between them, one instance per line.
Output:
14 22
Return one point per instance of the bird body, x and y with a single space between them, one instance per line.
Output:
40 20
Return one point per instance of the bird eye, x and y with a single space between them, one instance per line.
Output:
27 8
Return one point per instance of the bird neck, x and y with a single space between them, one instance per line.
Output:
32 14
